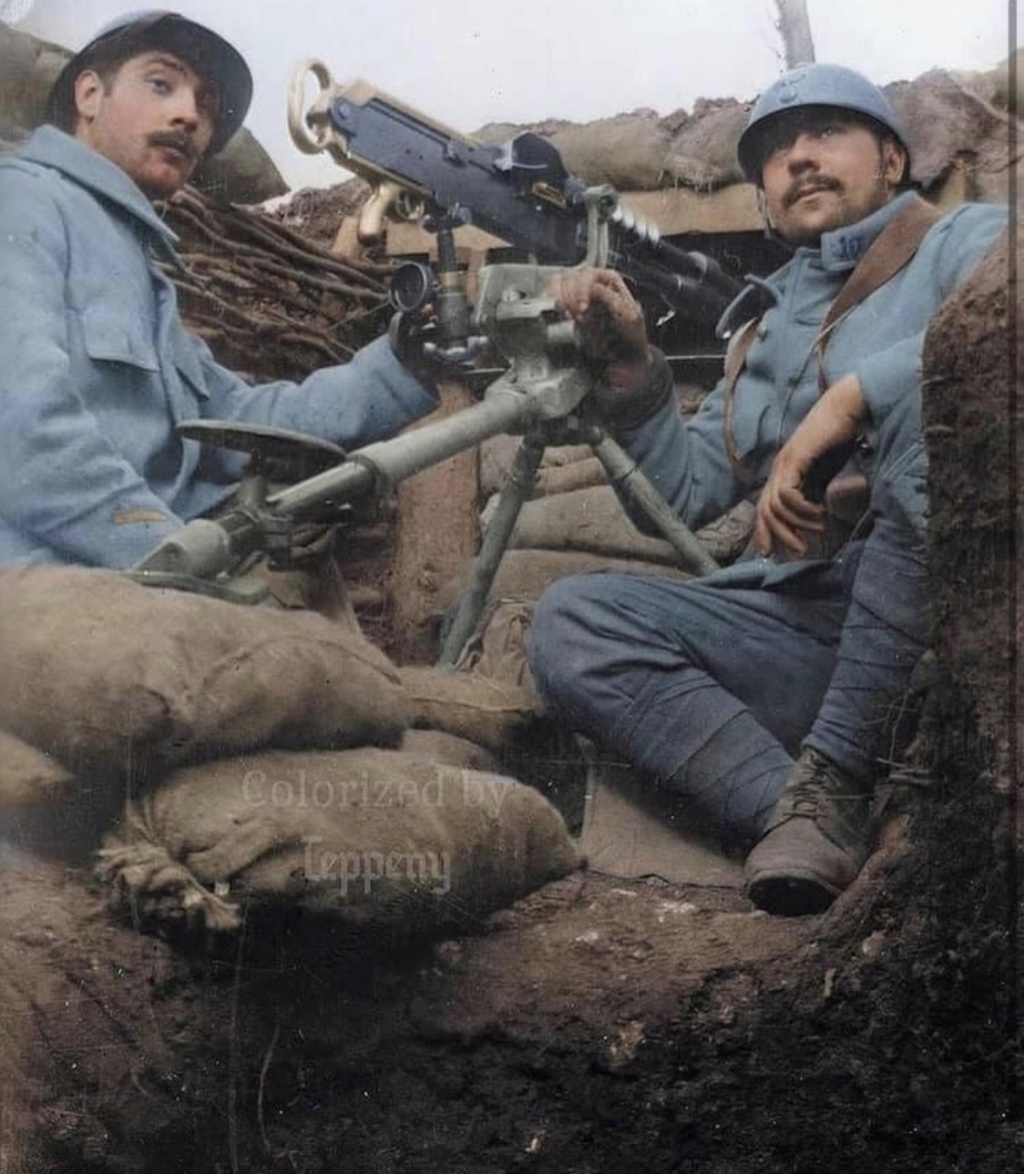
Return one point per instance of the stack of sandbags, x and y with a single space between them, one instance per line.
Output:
574 523
28 68
229 729
945 115
112 678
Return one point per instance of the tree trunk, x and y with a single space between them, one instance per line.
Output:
795 27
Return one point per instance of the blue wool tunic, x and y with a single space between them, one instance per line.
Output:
97 369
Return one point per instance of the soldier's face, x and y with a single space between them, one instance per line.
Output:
823 170
154 118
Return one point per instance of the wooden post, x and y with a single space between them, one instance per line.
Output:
795 27
437 535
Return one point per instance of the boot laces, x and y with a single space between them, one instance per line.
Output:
817 782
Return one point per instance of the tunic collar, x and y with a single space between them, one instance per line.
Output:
843 248
55 148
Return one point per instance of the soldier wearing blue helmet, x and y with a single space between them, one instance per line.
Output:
809 89
98 368
766 692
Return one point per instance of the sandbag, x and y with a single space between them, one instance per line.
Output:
627 150
487 712
593 519
583 474
524 574
449 749
497 454
527 574
108 675
497 650
242 173
27 775
586 519
28 68
371 836
702 153
942 120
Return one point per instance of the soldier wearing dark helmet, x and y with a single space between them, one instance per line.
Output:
98 368
766 692
224 73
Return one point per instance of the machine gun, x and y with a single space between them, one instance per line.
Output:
543 396
521 192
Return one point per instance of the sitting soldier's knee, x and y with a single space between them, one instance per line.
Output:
554 617
578 637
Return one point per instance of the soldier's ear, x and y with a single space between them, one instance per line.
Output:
762 207
894 162
88 90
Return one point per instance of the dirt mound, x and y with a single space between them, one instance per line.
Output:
316 213
944 115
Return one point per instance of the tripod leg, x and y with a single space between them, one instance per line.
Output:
622 471
514 492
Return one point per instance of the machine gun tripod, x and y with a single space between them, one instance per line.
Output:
544 396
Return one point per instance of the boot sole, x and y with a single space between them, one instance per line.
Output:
791 894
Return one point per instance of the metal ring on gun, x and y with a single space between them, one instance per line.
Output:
308 137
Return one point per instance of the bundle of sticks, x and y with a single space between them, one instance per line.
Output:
270 303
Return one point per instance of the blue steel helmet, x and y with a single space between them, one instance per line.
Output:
815 85
139 32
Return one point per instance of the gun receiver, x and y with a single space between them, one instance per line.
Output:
520 192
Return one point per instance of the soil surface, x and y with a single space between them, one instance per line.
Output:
600 1025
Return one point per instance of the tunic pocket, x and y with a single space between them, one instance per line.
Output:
111 334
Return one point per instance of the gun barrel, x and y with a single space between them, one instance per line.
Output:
690 282
206 548
520 192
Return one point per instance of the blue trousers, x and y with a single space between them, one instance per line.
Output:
713 686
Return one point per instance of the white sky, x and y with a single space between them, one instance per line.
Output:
468 62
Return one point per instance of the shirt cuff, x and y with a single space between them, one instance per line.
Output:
621 409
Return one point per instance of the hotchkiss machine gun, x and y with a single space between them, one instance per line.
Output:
521 193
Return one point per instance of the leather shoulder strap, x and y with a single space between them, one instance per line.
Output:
735 361
890 251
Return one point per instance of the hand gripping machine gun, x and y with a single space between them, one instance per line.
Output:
522 193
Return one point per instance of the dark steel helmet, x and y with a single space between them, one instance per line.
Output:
139 32
815 85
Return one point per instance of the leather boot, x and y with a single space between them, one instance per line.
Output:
817 840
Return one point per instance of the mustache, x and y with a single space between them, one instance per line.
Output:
177 141
800 187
